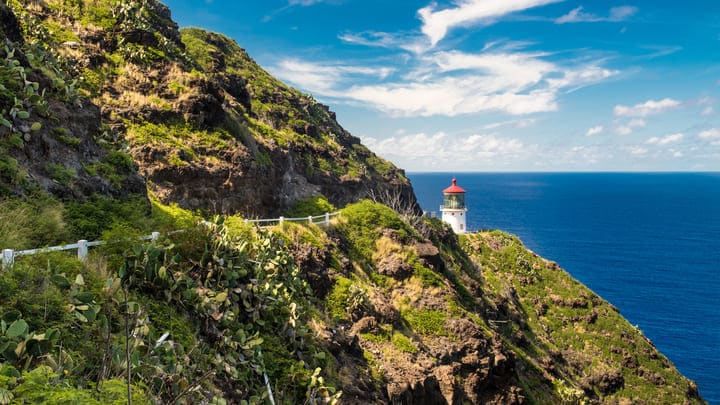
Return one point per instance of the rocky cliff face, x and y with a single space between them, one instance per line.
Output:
208 128
50 136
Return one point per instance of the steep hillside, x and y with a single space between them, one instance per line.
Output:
207 126
368 310
51 137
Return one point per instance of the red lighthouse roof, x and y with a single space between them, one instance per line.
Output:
454 188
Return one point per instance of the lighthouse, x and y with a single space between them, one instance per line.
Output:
453 208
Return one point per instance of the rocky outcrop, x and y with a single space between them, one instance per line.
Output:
56 145
278 145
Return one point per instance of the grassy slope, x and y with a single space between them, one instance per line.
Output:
562 319
236 303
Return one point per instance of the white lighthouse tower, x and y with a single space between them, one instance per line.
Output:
453 208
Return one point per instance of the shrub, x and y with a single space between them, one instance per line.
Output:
346 300
35 222
315 205
364 221
89 219
427 322
60 173
403 343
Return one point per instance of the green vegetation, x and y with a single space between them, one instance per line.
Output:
75 308
182 143
316 205
428 321
32 222
363 223
402 343
345 299
562 314
60 173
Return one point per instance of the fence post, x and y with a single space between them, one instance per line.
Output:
154 236
8 257
82 249
310 219
327 218
281 220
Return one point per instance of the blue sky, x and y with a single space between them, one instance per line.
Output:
498 85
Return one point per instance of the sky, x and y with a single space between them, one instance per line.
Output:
498 85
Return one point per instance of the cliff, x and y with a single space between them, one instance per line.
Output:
206 126
104 101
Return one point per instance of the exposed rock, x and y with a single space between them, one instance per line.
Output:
9 26
394 266
606 381
430 255
314 263
366 324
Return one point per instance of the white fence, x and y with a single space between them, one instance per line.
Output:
317 220
9 255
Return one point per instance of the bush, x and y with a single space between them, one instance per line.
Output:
403 343
427 322
364 222
30 223
316 205
90 218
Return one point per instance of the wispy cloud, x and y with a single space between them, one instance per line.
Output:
711 135
295 3
616 14
410 42
635 150
422 151
518 124
437 23
453 83
629 127
306 3
665 139
658 51
650 107
594 130
706 103
324 79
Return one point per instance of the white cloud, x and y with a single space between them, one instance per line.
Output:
422 151
437 23
623 130
616 14
450 83
305 3
650 107
636 150
637 123
409 42
450 96
519 124
707 104
323 78
665 139
711 135
594 130
630 126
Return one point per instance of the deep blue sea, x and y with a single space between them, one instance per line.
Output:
649 243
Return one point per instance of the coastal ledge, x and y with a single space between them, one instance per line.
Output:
565 333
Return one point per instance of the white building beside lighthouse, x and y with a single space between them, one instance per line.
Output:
453 209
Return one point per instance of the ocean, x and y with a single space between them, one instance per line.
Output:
649 243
